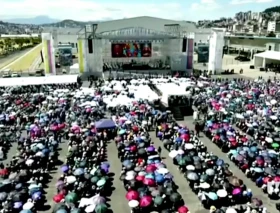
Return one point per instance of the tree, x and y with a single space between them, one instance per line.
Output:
271 34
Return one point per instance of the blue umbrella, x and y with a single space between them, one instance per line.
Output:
150 161
178 140
212 195
79 172
61 211
25 211
37 195
253 149
150 176
64 168
220 162
122 131
258 170
159 178
234 152
17 205
126 162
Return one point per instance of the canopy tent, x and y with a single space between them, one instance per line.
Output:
24 81
261 59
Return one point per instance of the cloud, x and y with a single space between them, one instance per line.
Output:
237 2
85 10
205 5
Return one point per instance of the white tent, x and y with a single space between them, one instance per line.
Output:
261 59
75 69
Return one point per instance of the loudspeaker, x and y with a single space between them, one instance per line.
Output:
252 67
90 47
184 47
42 58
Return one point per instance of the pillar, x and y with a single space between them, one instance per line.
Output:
264 63
216 51
82 55
48 54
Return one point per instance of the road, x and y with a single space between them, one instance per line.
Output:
4 61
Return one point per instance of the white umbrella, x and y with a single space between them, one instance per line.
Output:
273 117
204 185
268 140
142 173
131 173
222 193
90 208
231 210
28 206
189 146
84 202
190 168
133 203
129 177
71 179
180 152
173 153
29 162
162 171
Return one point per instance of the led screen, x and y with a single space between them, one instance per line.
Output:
130 50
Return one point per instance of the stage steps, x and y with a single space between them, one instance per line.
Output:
177 114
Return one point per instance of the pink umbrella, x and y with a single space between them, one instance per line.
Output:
132 195
236 191
149 182
146 201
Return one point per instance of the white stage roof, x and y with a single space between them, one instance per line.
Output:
25 81
274 55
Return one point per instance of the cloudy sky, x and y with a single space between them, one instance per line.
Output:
86 10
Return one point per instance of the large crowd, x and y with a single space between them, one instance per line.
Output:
39 118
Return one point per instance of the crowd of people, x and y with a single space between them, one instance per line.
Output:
40 118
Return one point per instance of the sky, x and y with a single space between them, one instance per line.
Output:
92 10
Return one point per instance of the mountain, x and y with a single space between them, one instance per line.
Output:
38 20
272 10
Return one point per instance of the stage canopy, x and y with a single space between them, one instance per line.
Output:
267 57
25 81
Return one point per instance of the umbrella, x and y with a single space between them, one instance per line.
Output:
57 198
173 153
64 168
3 196
4 172
162 171
132 195
133 203
236 191
148 182
183 209
101 208
17 205
105 124
101 182
190 168
231 210
210 172
158 200
155 193
222 193
235 181
97 199
146 201
71 198
192 176
79 172
275 145
212 195
175 197
256 203
71 179
28 206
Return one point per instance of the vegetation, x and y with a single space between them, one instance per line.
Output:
10 45
24 63
272 10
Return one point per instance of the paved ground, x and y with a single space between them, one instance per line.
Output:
257 192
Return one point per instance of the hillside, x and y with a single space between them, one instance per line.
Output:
272 10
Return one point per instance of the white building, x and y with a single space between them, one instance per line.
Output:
273 26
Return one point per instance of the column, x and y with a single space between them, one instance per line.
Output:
48 54
216 51
264 63
82 55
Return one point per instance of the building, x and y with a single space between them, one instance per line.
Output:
273 26
141 41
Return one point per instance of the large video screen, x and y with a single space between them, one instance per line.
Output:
130 50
